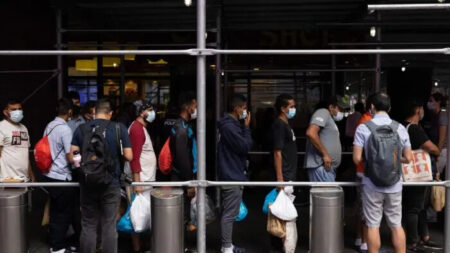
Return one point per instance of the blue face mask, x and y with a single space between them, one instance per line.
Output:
16 116
291 113
243 115
151 116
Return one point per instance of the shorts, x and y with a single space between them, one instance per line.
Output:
321 175
377 203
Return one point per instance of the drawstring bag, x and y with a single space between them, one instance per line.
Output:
125 225
275 226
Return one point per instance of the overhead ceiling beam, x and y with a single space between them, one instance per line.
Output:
392 7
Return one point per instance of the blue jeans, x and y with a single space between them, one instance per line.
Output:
321 175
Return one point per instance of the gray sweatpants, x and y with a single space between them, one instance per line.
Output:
231 201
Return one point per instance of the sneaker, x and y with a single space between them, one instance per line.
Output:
358 242
363 248
74 249
431 245
190 250
60 251
415 248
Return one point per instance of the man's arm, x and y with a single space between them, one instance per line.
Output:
407 155
277 165
313 135
357 154
442 136
432 149
128 154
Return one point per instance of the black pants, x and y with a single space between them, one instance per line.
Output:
414 213
62 203
99 205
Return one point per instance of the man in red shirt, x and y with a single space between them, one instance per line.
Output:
143 166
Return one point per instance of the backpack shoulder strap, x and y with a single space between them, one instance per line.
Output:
372 126
394 124
53 129
119 138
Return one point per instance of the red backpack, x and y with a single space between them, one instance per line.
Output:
165 158
42 153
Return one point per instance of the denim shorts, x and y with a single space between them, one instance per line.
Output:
321 175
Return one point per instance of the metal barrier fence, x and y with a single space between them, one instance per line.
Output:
201 52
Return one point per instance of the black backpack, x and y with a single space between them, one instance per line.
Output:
383 154
97 163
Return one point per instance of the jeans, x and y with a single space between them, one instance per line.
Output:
231 201
321 175
99 205
415 222
62 204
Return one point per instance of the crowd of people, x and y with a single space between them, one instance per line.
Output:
77 132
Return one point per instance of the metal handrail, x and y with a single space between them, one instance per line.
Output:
207 183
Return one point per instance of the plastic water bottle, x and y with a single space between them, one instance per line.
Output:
76 158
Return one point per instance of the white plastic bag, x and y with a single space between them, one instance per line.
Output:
283 208
209 209
140 212
290 241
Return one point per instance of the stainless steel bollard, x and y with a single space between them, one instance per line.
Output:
167 221
326 220
13 221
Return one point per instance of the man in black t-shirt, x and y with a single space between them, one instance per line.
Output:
284 147
414 197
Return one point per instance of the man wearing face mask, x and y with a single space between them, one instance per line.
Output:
323 146
234 144
143 165
284 148
183 148
14 144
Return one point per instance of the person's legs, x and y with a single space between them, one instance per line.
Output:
110 202
321 175
413 202
373 213
393 215
231 200
373 239
90 215
61 212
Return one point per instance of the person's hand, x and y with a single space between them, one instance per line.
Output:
138 189
438 176
327 162
279 188
191 192
248 119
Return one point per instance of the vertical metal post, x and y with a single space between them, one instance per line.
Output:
122 80
378 58
218 90
59 59
201 125
333 75
447 191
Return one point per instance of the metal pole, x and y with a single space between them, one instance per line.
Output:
447 192
218 92
388 7
296 70
29 71
201 125
209 51
378 59
59 63
333 75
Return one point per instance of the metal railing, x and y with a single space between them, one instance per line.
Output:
201 52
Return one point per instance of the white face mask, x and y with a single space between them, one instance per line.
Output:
151 116
339 116
16 116
194 114
243 115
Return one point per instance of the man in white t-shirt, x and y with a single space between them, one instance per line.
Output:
14 144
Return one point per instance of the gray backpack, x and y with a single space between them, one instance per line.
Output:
383 154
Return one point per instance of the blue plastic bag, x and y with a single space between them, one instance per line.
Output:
243 211
124 224
270 198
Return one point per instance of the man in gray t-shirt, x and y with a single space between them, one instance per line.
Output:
323 146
